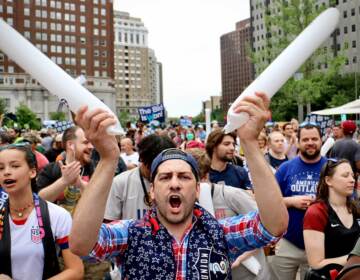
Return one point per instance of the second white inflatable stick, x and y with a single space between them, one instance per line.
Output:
286 64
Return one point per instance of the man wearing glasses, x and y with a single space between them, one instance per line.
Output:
298 179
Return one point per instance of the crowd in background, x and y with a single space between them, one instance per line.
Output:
319 187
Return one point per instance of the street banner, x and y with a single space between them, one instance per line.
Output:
151 113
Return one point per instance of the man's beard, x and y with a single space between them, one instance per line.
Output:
226 158
310 156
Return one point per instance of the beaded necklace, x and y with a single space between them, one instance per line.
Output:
4 211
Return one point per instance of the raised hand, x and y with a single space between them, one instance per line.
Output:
94 124
70 172
258 109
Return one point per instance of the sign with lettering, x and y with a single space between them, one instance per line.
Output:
151 113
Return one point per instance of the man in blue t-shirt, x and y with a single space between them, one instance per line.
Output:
298 179
220 147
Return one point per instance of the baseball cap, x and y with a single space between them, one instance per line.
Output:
348 126
174 153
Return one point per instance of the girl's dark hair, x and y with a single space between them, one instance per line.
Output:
30 159
322 193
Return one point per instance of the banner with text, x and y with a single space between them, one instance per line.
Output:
151 113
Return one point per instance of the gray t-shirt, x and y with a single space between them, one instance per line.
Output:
126 197
229 201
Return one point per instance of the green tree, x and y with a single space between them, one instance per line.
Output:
3 109
59 116
218 115
26 118
284 20
124 117
199 118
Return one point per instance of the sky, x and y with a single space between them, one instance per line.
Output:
185 35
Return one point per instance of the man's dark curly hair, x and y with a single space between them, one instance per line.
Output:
150 146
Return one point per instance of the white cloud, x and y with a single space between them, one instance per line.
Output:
186 38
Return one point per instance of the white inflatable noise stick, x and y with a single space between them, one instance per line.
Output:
287 63
49 74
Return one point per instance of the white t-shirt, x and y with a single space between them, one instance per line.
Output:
126 197
130 159
27 251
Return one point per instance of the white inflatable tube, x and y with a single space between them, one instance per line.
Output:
205 199
287 63
50 75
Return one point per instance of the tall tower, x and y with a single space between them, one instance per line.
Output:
136 73
77 35
236 68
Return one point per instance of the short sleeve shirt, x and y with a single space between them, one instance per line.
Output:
339 240
233 175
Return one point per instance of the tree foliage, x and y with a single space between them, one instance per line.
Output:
284 20
26 118
59 116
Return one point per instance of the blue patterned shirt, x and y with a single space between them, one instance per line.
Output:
242 233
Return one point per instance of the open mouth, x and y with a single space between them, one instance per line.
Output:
175 201
9 182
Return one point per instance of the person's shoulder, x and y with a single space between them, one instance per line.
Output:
231 167
123 177
316 216
318 206
289 164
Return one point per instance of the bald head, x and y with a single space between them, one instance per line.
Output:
277 142
127 146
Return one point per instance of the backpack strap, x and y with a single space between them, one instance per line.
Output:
51 263
5 242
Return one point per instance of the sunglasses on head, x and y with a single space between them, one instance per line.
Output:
15 145
309 124
330 163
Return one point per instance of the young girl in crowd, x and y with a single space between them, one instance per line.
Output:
332 223
29 226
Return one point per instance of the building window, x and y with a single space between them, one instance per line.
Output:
9 9
354 44
27 34
26 12
353 28
353 11
345 30
345 14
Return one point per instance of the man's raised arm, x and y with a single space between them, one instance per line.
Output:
90 210
272 210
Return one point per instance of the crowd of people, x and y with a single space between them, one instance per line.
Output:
175 203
